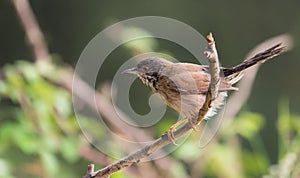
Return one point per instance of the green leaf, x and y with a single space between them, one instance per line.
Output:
189 150
49 161
248 124
29 71
3 88
143 44
69 149
5 169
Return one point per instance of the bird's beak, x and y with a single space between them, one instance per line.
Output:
130 71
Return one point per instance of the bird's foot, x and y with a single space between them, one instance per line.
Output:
171 136
170 133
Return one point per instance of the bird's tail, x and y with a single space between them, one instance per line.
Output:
235 73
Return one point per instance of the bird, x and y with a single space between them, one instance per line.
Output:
183 86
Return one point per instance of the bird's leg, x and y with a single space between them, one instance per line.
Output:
170 133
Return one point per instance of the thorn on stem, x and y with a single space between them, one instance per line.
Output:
210 38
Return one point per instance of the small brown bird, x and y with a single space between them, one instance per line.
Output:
183 86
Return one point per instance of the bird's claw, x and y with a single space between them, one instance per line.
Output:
171 136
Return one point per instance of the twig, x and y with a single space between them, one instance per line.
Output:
32 30
105 107
212 55
135 157
89 171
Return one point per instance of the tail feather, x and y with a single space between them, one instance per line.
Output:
234 74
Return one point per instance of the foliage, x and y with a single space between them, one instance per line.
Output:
38 131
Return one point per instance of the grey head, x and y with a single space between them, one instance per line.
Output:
148 69
148 66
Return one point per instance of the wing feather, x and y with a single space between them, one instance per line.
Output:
192 79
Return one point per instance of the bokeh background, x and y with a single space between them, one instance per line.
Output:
39 136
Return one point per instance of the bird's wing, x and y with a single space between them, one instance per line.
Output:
191 79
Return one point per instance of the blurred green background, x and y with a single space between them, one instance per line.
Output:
40 148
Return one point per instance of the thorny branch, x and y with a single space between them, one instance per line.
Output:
212 55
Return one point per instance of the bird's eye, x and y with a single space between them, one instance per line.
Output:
145 68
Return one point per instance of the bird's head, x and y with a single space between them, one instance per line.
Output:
148 69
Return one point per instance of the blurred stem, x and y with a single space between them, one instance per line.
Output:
29 112
258 147
283 126
32 30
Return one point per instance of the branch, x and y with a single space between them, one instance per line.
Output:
104 107
211 54
32 30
